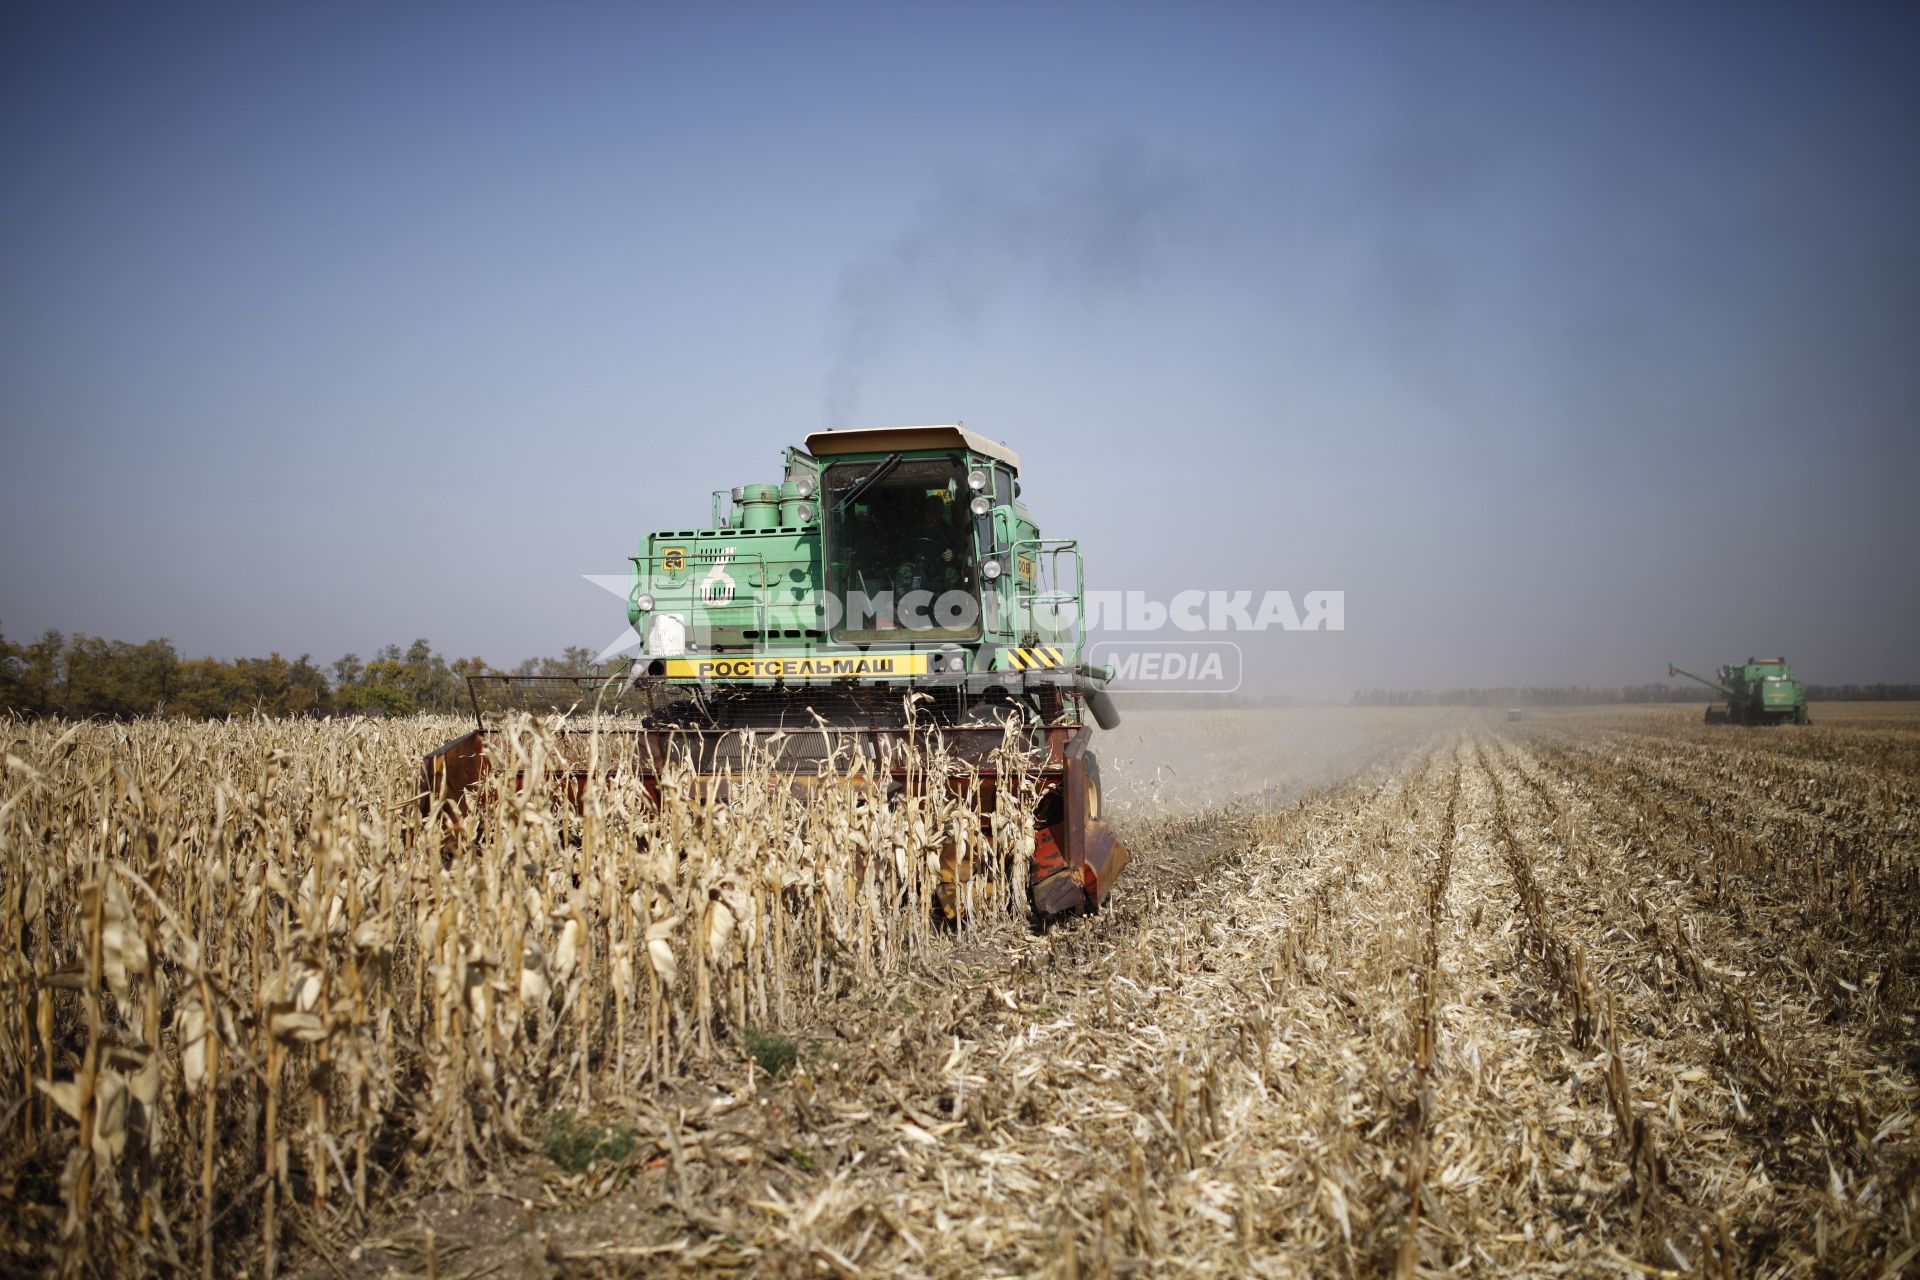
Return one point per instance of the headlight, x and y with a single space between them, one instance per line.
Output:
666 635
990 569
976 480
643 602
806 513
804 486
981 505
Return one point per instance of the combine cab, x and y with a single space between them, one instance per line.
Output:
890 592
1757 691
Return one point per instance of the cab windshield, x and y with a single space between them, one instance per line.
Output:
895 528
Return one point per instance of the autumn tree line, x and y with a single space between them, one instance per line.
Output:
79 676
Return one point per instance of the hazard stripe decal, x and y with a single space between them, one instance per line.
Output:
1031 659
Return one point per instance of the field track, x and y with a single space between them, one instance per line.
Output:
1587 995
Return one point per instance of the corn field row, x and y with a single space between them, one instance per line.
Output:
1596 993
250 986
1457 1014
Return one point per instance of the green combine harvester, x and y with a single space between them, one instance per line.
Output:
1757 691
888 566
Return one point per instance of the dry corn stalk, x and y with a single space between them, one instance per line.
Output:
236 955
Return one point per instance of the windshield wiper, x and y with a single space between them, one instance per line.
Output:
867 482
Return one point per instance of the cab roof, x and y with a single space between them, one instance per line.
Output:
828 443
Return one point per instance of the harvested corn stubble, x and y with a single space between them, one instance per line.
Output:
1594 993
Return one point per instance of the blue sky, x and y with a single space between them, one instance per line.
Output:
1567 341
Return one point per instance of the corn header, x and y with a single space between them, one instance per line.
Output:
890 590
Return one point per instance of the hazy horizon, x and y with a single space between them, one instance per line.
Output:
1565 342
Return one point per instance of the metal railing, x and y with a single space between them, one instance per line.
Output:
1045 606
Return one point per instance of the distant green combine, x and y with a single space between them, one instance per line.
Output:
1757 691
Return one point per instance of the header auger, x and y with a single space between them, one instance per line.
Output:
889 565
1757 691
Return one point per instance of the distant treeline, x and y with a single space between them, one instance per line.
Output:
80 676
1578 696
